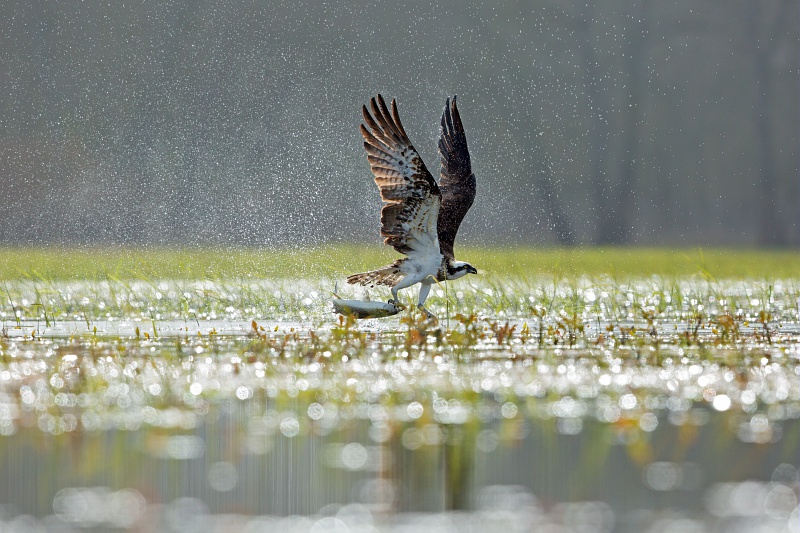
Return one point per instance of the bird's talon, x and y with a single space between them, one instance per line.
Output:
428 315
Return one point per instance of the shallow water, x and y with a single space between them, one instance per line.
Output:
591 406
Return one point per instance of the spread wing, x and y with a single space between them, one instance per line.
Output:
457 182
411 196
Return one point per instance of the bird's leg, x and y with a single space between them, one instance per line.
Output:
395 301
402 284
424 290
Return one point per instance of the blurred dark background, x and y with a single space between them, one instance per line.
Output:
236 121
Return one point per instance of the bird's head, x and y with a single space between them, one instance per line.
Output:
457 269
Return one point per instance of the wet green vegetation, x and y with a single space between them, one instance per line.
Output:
662 383
196 263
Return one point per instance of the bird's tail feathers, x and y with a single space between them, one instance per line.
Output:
388 275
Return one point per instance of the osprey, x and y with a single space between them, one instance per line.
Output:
420 218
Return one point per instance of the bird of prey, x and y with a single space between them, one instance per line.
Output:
420 217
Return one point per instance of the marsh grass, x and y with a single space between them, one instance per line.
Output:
554 328
631 349
335 262
529 356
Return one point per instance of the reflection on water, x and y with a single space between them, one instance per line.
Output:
227 474
162 436
672 417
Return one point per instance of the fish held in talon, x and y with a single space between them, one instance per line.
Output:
362 309
420 216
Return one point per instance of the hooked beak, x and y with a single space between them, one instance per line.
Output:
472 270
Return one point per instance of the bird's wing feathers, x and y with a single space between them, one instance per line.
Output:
411 195
456 182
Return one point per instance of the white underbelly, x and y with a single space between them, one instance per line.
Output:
422 267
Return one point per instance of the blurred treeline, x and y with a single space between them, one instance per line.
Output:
236 122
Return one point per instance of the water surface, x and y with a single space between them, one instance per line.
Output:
591 406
